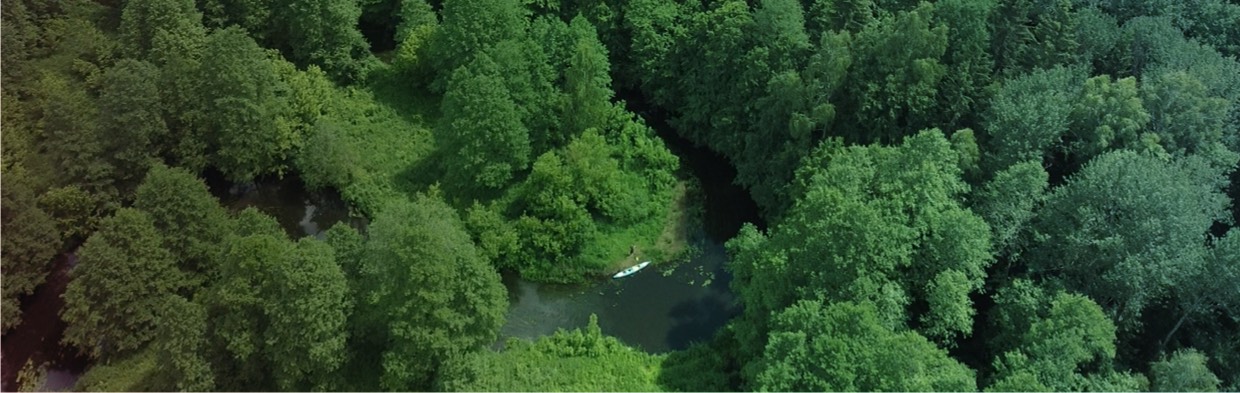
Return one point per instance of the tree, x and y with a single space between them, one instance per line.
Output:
160 31
1126 228
482 126
845 346
1109 115
580 359
1008 203
428 293
132 116
468 27
123 273
1184 371
1185 116
281 307
587 81
253 16
29 243
967 58
324 33
855 232
1059 343
1028 115
241 107
191 220
895 94
1032 34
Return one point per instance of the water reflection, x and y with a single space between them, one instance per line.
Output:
658 309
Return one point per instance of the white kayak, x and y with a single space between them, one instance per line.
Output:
631 270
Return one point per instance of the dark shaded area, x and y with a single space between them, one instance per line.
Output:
299 211
378 25
37 338
694 317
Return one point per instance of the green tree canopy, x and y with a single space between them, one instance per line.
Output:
845 347
428 293
122 276
1127 227
876 224
482 126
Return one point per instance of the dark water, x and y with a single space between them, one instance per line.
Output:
300 212
37 338
657 309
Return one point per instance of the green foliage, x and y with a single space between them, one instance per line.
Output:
855 234
1032 34
192 222
1108 115
1185 116
1184 371
279 306
574 360
241 106
587 81
76 212
1126 228
1028 115
29 243
323 32
482 126
123 273
470 26
418 257
1059 343
1008 202
845 346
894 94
131 117
161 31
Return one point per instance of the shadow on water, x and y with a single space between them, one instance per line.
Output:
299 211
657 309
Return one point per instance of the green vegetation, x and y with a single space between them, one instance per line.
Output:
954 195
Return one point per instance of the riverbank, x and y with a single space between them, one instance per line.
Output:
33 357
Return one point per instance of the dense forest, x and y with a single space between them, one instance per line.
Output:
961 195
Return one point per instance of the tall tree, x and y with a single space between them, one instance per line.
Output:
428 293
279 313
1184 371
895 93
123 273
587 80
1062 343
855 233
1008 202
132 117
1127 227
468 27
1028 116
191 220
241 106
845 346
482 126
1109 115
160 31
324 33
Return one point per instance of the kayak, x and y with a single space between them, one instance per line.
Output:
632 269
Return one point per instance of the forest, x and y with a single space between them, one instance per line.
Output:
951 195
